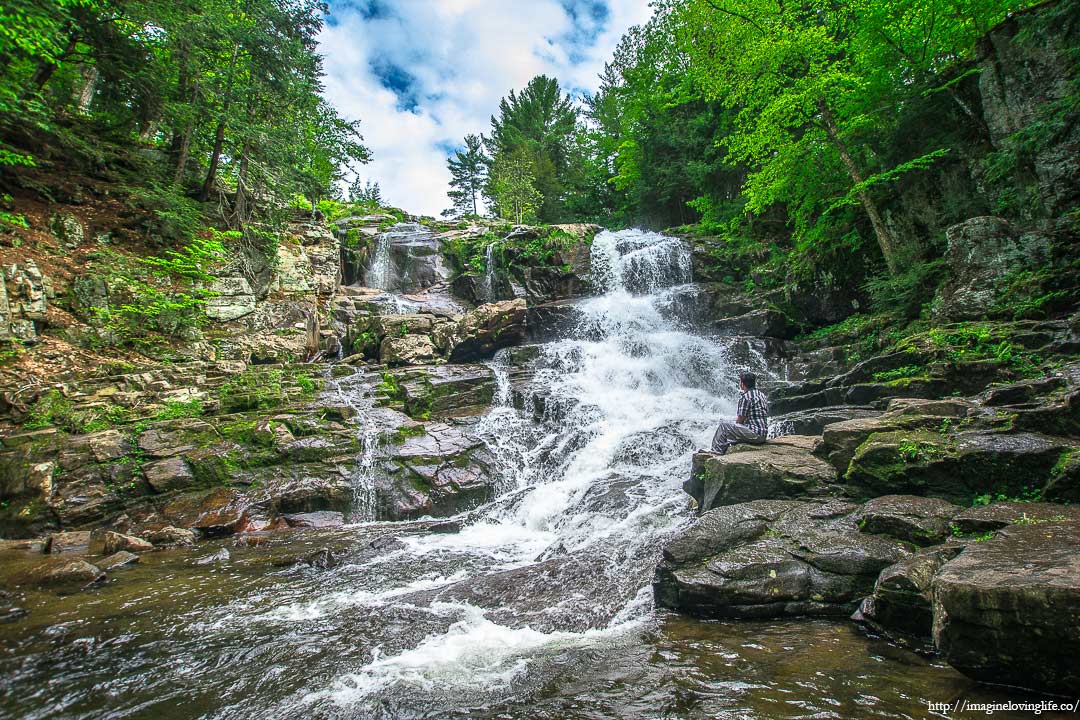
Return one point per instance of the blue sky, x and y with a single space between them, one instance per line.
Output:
421 74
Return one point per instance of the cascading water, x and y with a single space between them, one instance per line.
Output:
355 391
379 274
487 285
539 606
592 489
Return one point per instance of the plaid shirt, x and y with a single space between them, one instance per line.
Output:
754 410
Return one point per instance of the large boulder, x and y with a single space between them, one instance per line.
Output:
982 519
487 329
408 350
981 251
956 467
781 468
1007 610
773 558
448 390
757 323
439 469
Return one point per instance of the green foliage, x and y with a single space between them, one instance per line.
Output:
156 297
1026 494
468 175
911 451
907 291
252 390
905 371
972 342
176 409
530 147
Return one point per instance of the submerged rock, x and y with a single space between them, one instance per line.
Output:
118 559
66 575
1007 610
110 543
170 536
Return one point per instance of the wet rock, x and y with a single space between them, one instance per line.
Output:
170 536
169 439
68 574
757 323
320 519
839 441
119 559
108 445
408 350
488 328
987 518
772 558
110 543
323 559
1007 610
221 511
449 390
900 606
920 520
169 474
778 469
447 527
552 320
77 541
813 422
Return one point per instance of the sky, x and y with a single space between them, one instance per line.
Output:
421 74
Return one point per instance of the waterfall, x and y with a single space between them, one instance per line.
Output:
355 391
589 493
487 289
379 274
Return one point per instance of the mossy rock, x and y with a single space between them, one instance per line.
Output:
957 467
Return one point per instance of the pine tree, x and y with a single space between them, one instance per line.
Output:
468 173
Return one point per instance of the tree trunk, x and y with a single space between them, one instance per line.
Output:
885 239
219 135
45 69
85 96
240 207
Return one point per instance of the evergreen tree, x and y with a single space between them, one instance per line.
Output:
468 173
538 124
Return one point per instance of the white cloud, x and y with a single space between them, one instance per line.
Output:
459 57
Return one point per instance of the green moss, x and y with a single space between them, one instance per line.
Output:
402 434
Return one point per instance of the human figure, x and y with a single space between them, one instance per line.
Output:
752 423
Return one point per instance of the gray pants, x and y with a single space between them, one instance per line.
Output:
729 434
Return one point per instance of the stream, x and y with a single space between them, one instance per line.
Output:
540 606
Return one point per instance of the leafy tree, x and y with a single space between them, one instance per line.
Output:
512 186
468 173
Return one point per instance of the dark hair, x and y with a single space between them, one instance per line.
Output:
748 379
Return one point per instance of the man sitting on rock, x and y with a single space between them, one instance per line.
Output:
751 425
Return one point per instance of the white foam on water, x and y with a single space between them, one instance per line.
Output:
474 653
